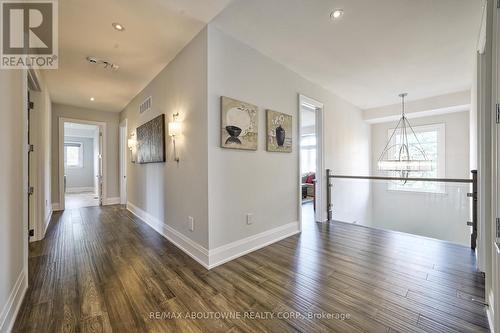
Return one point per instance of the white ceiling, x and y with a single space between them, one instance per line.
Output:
155 31
375 51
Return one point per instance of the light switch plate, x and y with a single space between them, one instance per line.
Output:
249 219
191 223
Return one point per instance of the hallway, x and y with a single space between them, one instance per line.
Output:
102 269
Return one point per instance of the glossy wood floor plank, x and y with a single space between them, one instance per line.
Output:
104 270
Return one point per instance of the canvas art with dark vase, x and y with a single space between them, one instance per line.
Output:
280 136
234 132
279 132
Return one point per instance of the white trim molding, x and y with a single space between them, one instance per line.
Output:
47 223
11 308
228 252
42 230
187 245
222 254
320 196
104 155
490 311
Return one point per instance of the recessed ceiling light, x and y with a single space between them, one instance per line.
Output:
118 26
92 99
336 14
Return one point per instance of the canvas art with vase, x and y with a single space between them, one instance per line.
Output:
239 124
279 132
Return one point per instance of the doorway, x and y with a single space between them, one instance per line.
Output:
81 160
311 160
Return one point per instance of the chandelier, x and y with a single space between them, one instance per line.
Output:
399 155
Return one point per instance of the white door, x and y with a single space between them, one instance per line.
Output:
496 228
100 168
31 164
496 255
123 162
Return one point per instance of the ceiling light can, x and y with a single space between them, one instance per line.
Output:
118 26
336 14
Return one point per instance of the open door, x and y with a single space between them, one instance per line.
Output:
100 169
311 160
31 169
123 162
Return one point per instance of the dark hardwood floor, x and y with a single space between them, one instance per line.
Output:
103 270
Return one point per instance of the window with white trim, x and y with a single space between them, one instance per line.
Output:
432 141
73 155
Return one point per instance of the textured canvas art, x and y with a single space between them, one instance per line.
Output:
239 122
151 141
279 132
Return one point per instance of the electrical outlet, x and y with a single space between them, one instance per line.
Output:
191 223
249 218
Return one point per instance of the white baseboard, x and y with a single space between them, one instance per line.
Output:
41 230
490 312
80 189
218 256
111 201
228 252
56 207
11 308
47 222
187 245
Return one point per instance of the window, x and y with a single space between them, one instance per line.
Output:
432 140
73 155
308 154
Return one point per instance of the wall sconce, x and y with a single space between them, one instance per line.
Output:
132 145
175 129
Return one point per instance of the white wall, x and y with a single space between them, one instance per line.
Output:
13 226
441 216
84 176
112 122
259 182
170 192
218 187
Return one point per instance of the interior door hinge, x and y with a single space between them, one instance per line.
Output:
498 227
31 148
498 109
31 105
31 190
31 232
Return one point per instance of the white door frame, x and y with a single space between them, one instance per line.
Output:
123 161
320 195
494 310
102 126
25 213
